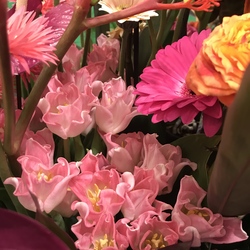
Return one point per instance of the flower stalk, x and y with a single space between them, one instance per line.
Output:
199 5
7 82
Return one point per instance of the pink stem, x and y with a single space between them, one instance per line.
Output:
147 5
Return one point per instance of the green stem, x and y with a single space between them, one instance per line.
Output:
86 44
86 47
79 149
153 41
6 173
123 52
66 149
136 54
7 83
163 19
181 25
56 2
204 21
71 33
97 144
19 91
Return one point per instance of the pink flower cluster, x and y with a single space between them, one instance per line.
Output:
71 105
118 209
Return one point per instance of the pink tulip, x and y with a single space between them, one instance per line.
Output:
148 232
64 207
124 150
115 110
72 59
97 194
199 223
83 77
103 236
44 137
93 163
140 195
47 181
67 112
103 60
166 161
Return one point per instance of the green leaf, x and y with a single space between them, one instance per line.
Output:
5 199
79 150
5 173
228 191
198 148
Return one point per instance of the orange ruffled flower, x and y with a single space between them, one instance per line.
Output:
219 67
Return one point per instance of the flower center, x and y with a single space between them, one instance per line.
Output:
156 241
198 212
104 242
94 197
41 175
122 7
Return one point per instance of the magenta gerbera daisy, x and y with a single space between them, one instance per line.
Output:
163 91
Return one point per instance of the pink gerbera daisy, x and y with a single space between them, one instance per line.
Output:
163 91
29 41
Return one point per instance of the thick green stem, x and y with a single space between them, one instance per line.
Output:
86 47
153 41
66 149
123 52
67 39
7 82
163 18
56 2
204 20
79 150
6 173
181 25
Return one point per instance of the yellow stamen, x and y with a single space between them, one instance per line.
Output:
94 198
104 242
198 212
41 175
156 241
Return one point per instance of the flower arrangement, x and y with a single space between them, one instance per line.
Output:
124 125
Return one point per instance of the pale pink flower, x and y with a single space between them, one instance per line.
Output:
165 160
72 59
124 150
82 79
140 194
198 223
64 207
163 91
44 137
97 194
103 59
29 41
111 6
148 232
103 236
47 181
93 163
67 112
115 110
